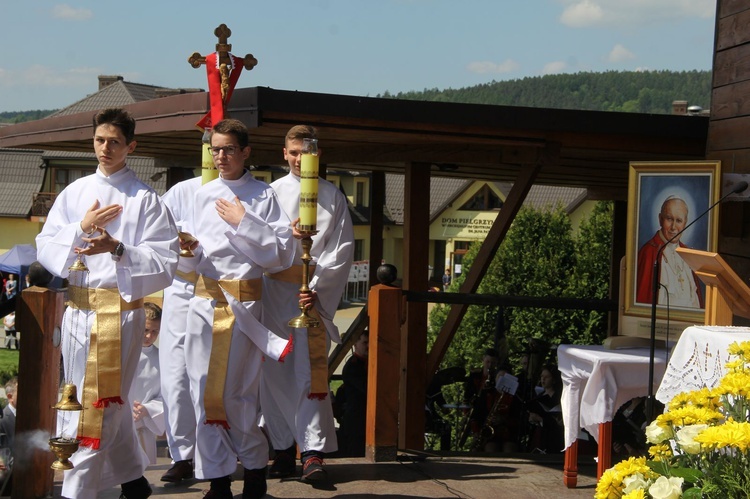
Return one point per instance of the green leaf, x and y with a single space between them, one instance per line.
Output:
689 474
660 467
692 493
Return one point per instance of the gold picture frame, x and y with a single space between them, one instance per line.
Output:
691 185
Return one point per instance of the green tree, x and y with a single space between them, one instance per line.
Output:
591 276
540 257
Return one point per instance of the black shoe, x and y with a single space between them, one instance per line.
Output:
221 488
255 484
284 465
313 471
136 489
181 470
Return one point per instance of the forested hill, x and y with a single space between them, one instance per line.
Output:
19 117
628 91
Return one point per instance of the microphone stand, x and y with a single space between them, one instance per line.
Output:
655 283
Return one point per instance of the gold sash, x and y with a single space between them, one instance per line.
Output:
187 276
101 383
211 289
316 337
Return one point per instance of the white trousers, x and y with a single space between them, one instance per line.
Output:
179 409
289 415
119 458
217 449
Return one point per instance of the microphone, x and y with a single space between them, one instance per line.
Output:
655 283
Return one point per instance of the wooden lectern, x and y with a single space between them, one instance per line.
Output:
726 293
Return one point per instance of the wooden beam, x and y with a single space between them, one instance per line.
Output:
40 320
414 331
377 204
500 227
381 427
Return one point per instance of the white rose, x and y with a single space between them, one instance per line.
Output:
634 482
656 434
666 488
685 438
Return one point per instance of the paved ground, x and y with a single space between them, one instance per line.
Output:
464 477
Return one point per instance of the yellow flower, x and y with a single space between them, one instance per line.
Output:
741 350
736 383
635 494
731 434
611 484
661 452
690 415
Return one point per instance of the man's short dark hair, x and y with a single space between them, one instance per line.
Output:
118 118
235 128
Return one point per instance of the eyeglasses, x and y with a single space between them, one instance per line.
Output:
228 150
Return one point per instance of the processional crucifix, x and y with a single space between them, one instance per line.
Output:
223 70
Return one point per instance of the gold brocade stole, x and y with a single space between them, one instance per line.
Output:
316 337
241 290
101 382
187 276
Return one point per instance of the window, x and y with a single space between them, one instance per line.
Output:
359 250
485 199
262 176
66 176
360 192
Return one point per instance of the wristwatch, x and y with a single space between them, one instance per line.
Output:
119 250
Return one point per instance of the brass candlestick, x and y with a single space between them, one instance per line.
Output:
303 319
187 238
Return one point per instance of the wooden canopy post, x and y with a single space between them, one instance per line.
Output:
385 310
413 387
39 321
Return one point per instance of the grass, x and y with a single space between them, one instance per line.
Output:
8 364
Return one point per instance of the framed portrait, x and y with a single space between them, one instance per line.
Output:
665 198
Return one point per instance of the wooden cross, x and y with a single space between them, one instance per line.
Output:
223 48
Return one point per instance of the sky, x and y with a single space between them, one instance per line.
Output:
52 52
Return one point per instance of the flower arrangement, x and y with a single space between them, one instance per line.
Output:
700 444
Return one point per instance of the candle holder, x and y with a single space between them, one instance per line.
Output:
187 238
304 320
63 448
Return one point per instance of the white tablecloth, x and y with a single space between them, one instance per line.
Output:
698 359
597 381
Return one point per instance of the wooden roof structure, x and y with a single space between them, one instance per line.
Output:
588 149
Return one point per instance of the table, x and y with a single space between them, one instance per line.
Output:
698 359
596 382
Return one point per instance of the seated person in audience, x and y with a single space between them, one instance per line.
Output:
354 411
494 415
545 414
478 386
628 428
